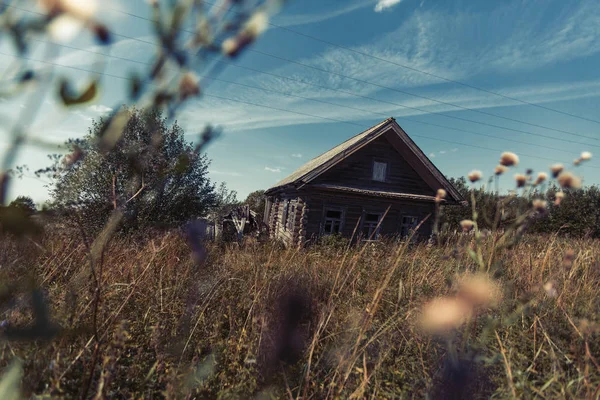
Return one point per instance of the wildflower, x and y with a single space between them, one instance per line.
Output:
188 86
585 156
474 175
509 159
540 205
556 169
479 290
542 177
443 314
467 225
500 169
441 194
83 9
568 180
65 28
255 26
550 289
558 198
521 180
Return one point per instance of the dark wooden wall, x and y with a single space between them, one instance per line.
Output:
357 171
354 206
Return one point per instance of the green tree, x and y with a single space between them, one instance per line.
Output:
152 173
25 204
256 200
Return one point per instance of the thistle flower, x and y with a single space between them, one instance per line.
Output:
467 225
585 156
444 314
441 194
500 169
550 289
542 177
556 169
479 290
188 86
509 159
539 205
255 26
568 180
558 198
64 28
521 180
474 175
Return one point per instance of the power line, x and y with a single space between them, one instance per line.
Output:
282 109
432 74
392 103
394 89
316 100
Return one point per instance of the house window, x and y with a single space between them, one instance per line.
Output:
284 217
379 171
409 223
333 221
370 226
291 217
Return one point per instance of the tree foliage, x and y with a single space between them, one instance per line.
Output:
152 173
256 200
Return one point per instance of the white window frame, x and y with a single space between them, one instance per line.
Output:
380 173
373 229
340 220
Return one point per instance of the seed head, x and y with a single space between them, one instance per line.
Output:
521 180
479 290
474 175
577 161
441 194
568 180
444 314
556 169
558 198
500 169
509 159
542 177
585 156
467 225
540 205
188 86
550 289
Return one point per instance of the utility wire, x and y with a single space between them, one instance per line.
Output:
282 109
384 87
318 100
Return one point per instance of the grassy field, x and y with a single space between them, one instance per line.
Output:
260 321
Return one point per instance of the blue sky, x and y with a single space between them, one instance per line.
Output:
544 52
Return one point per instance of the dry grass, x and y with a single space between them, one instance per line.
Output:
259 320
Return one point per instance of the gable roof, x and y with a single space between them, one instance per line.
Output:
318 165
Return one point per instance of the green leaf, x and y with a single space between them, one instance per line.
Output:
10 383
69 97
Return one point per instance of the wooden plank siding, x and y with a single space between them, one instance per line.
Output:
357 171
354 206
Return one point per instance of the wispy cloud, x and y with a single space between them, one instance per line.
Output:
99 108
431 155
303 19
384 4
271 169
225 173
296 155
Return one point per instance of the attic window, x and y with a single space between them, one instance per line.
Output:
379 171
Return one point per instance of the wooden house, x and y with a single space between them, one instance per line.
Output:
376 183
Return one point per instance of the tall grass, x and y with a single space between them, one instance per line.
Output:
259 321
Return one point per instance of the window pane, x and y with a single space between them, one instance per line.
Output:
379 170
327 227
336 227
372 217
333 214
